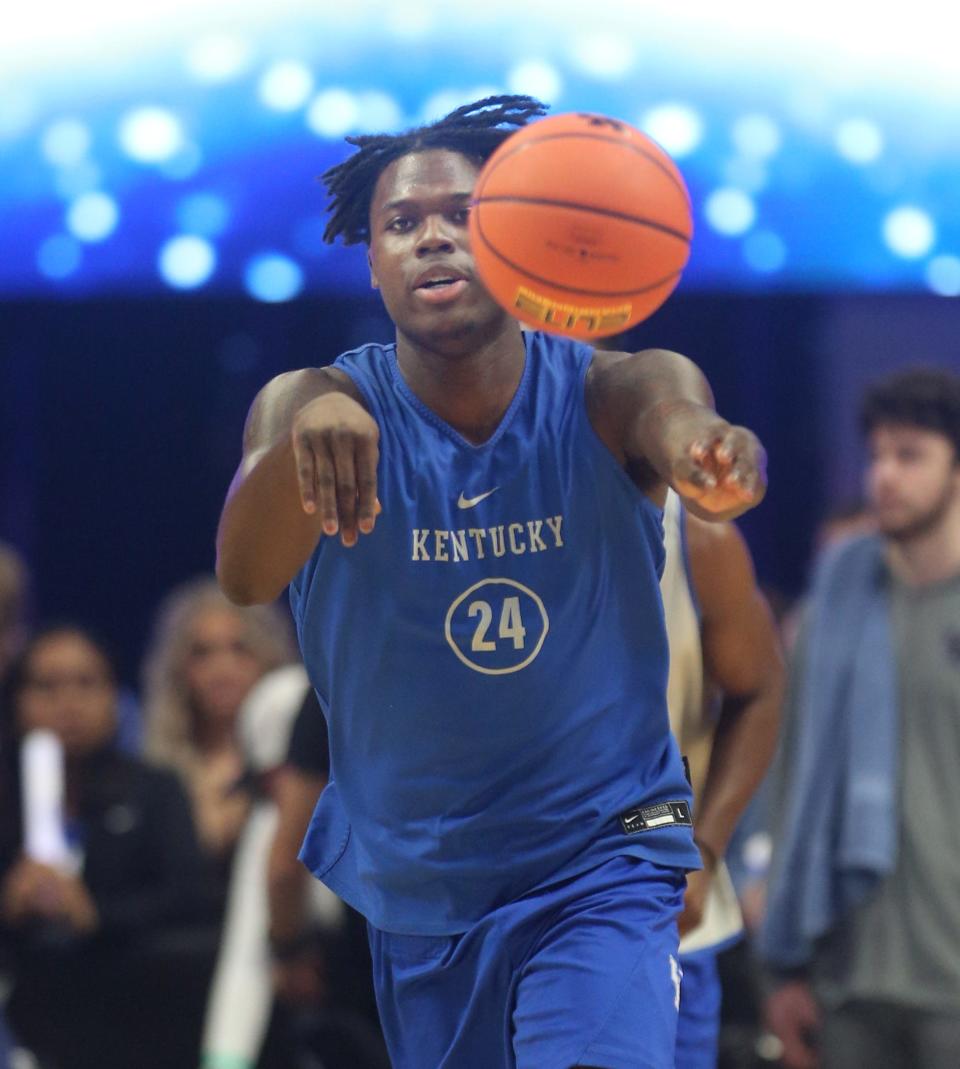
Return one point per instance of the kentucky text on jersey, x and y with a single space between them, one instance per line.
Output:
473 543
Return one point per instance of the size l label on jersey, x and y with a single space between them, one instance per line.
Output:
646 818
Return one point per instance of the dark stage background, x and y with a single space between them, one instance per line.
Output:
121 421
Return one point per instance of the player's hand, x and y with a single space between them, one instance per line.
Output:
694 900
720 470
336 449
793 1016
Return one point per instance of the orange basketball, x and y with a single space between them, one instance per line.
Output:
580 225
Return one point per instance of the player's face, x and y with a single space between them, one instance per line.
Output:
913 480
420 257
68 690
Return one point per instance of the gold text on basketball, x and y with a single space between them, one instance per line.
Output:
569 316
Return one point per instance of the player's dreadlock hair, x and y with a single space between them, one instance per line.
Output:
475 130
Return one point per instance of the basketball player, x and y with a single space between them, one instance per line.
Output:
507 806
723 694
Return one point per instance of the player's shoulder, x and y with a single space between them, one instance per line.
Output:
303 385
604 362
604 399
601 377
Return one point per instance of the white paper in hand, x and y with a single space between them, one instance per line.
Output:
42 784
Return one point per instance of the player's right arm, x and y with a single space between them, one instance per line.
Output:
309 469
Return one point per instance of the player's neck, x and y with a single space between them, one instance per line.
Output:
470 391
931 556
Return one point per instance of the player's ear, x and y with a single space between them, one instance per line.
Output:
373 274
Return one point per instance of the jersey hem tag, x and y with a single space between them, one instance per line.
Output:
646 818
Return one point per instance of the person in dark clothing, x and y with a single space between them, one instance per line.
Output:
322 975
79 925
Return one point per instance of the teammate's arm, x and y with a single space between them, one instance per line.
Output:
654 410
288 879
309 468
742 658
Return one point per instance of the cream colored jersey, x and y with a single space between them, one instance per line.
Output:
693 707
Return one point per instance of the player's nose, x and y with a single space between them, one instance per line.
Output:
434 236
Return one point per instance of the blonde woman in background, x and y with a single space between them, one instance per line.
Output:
205 656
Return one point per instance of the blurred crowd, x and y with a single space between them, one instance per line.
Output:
152 908
153 911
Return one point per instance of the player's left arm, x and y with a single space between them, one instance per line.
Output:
655 412
742 657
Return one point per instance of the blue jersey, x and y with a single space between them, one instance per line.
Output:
492 659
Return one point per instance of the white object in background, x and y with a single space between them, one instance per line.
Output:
42 786
241 992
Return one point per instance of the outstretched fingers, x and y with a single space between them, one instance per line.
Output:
722 472
742 464
305 462
368 505
344 461
697 469
335 447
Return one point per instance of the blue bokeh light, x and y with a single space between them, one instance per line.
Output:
251 112
677 128
84 177
151 134
66 142
764 251
93 217
943 275
286 86
205 214
909 232
186 262
730 211
273 278
59 257
218 58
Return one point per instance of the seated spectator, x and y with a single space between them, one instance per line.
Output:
322 970
241 1001
205 656
77 920
316 952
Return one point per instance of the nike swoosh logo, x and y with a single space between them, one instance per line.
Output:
469 502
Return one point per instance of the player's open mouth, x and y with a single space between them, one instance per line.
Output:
440 290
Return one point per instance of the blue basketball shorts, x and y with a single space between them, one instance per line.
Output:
698 1030
581 972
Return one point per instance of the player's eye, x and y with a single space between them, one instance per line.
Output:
400 224
461 215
